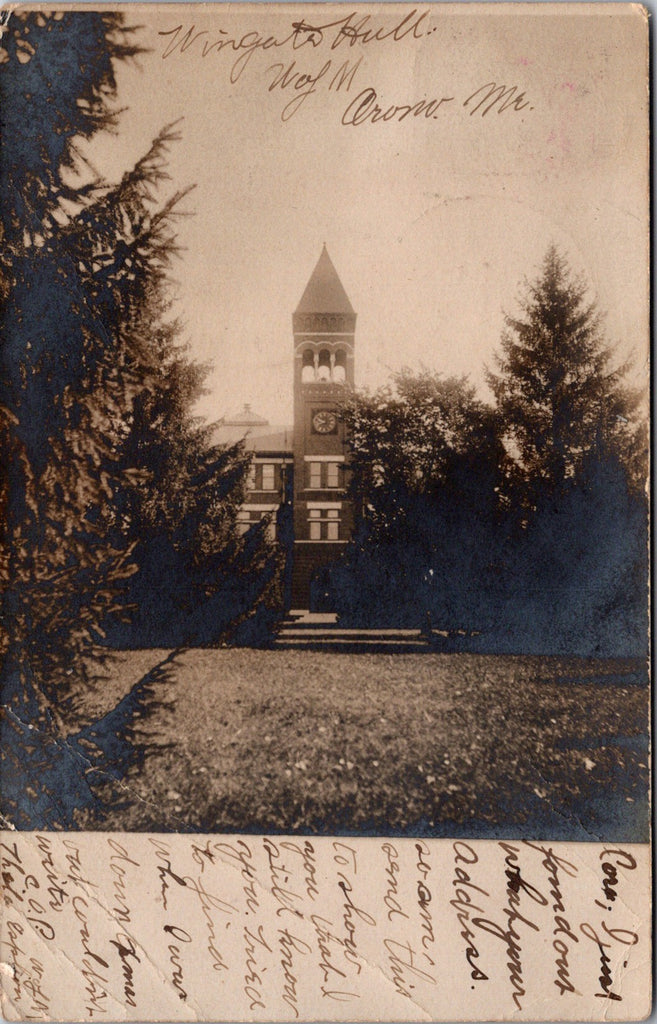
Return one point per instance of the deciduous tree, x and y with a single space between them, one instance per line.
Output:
425 463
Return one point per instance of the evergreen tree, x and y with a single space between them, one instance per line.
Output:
57 86
63 392
575 567
64 343
85 342
559 395
197 580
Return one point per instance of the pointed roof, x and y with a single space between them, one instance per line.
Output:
324 292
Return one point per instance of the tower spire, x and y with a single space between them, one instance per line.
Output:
324 292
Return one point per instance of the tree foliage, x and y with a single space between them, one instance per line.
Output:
58 87
70 353
577 568
559 395
197 580
523 526
102 456
425 462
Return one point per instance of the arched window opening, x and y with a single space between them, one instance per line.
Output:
308 367
324 366
340 367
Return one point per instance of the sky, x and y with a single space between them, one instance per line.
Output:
432 218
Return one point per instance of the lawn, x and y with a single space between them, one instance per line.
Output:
418 744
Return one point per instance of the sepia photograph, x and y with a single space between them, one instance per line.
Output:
324 421
325 555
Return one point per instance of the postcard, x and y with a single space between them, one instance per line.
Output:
325 364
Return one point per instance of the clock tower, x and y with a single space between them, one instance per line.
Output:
323 325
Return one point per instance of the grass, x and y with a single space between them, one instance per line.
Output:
432 744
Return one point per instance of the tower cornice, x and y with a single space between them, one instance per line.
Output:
323 323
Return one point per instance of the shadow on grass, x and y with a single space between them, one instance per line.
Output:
91 778
52 779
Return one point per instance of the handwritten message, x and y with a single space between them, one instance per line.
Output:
329 57
127 927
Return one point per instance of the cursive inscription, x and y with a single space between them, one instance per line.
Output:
391 899
345 856
14 954
266 927
308 865
496 97
610 939
242 855
516 886
255 966
424 896
609 936
27 974
611 861
56 888
563 934
280 875
289 945
306 64
174 949
164 869
119 861
464 905
127 952
210 904
362 29
303 84
32 984
325 938
74 863
351 30
403 960
365 109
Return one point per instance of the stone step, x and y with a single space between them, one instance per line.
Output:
318 631
339 645
317 618
349 638
298 632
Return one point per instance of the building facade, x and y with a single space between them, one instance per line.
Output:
305 465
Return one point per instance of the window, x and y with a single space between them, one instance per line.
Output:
324 523
251 478
332 474
268 477
248 517
243 521
315 524
315 478
333 524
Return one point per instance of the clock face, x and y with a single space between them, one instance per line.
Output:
325 422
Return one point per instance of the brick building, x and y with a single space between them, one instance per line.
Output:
304 465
